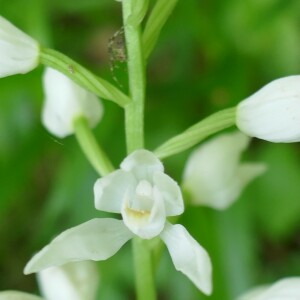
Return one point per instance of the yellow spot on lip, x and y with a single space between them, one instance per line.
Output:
137 213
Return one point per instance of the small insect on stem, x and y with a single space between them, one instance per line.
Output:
117 51
71 69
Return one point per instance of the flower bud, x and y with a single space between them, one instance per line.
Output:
214 175
272 113
284 289
72 281
19 53
65 101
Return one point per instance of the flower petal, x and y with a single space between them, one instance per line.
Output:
15 295
73 281
284 289
97 239
145 224
110 190
171 193
64 101
19 53
188 256
142 163
272 113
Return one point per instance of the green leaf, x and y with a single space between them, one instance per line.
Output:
157 19
195 134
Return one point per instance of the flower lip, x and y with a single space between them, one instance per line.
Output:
144 216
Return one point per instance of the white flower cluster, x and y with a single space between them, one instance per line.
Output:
140 190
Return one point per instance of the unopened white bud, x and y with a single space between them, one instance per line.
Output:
73 281
19 53
284 289
272 113
65 101
214 175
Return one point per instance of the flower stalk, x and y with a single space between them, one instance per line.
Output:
91 148
82 76
197 133
144 283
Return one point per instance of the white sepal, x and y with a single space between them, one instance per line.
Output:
214 175
64 102
97 239
188 256
142 163
272 113
19 53
73 281
284 289
15 295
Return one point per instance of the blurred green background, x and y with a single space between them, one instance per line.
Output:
210 55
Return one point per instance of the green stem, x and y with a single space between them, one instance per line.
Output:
91 148
198 132
134 111
82 76
143 268
134 125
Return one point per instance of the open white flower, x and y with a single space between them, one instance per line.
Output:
214 175
284 289
145 196
65 101
72 281
19 53
272 113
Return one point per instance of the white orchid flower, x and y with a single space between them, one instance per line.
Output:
64 102
214 175
145 196
272 113
72 281
19 53
284 289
